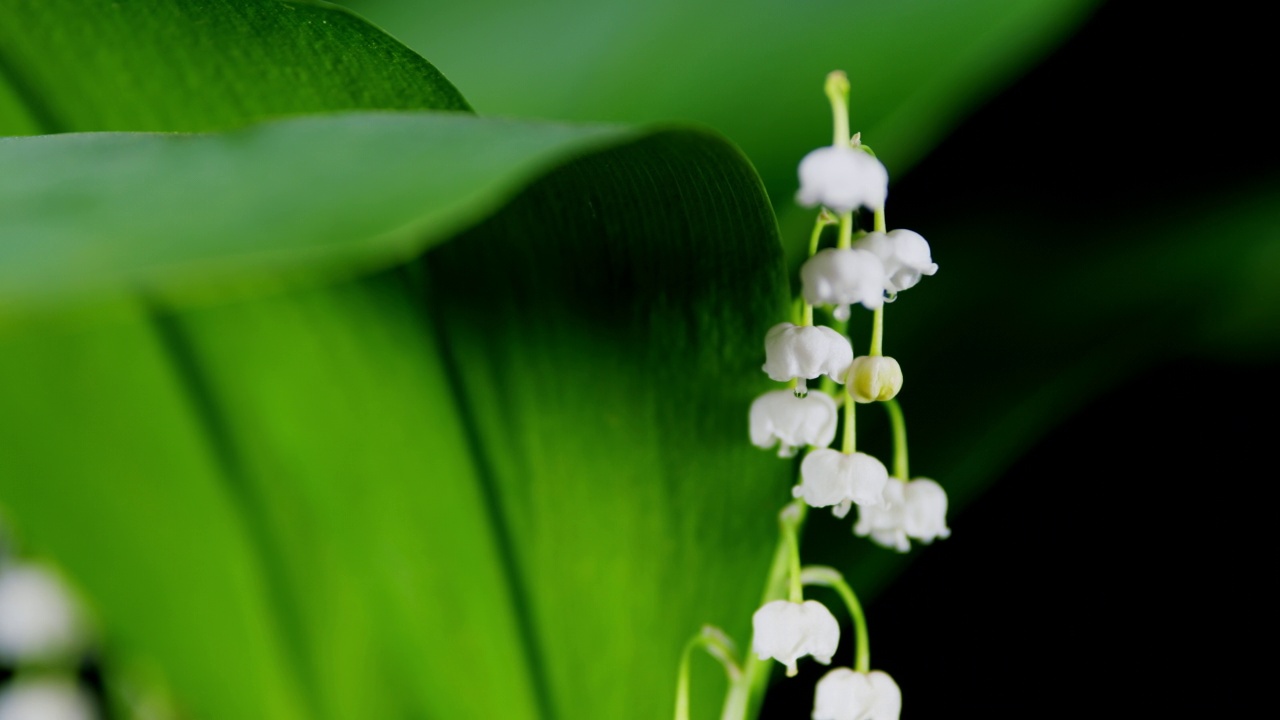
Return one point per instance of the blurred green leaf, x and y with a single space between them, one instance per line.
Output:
68 65
307 197
752 70
494 483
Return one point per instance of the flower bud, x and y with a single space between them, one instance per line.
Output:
874 378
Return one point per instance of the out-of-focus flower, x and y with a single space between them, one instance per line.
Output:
904 254
38 619
45 699
843 277
842 179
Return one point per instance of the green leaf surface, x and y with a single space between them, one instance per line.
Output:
192 65
752 70
306 197
492 481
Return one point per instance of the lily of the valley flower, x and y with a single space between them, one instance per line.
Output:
787 631
805 352
38 620
791 422
845 694
842 179
843 277
905 255
832 478
874 378
916 510
45 699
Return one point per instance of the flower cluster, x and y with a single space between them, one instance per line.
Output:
867 268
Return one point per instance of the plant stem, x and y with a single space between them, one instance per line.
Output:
877 331
830 577
850 442
744 695
899 438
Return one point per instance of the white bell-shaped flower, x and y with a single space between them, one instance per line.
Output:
787 631
916 510
874 378
805 352
38 620
884 524
844 694
792 422
905 255
925 514
842 179
45 699
832 478
843 277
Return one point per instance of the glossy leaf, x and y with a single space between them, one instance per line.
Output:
71 65
502 471
323 196
751 70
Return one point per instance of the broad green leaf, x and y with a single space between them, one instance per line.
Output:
105 468
71 65
82 214
508 479
751 70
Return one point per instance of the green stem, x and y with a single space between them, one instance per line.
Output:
877 331
846 230
899 438
830 577
816 235
837 89
744 695
880 224
718 646
850 442
791 537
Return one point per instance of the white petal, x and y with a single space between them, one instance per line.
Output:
904 254
830 477
45 699
887 697
780 416
840 277
38 620
806 351
925 517
787 631
842 179
844 694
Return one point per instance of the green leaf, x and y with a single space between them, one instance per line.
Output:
71 65
493 481
307 197
751 70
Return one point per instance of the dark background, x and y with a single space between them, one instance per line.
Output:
1118 568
